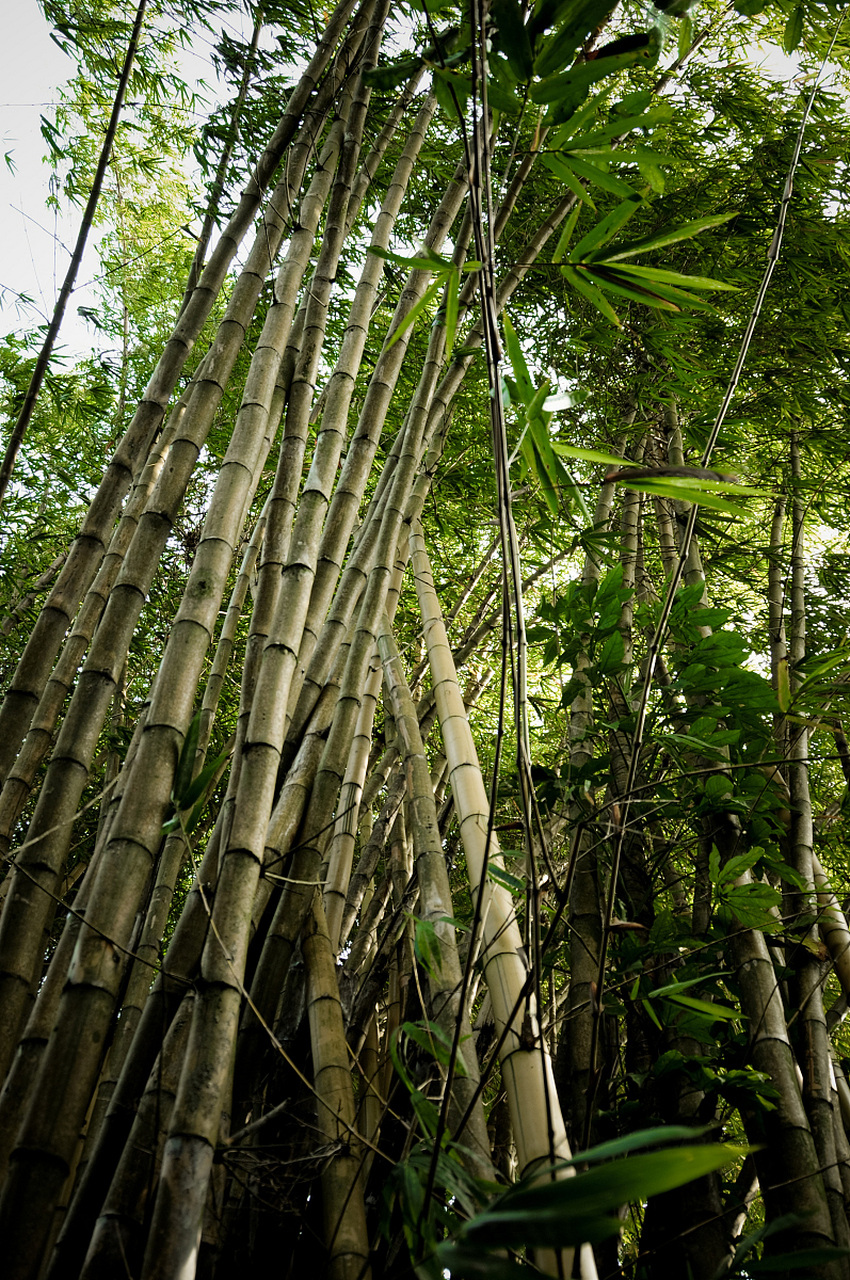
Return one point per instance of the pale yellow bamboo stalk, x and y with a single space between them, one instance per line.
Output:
526 1067
174 1233
341 851
435 905
343 508
19 780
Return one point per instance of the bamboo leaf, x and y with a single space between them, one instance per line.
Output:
524 385
610 280
618 128
685 491
512 37
590 291
425 260
574 1210
657 275
718 1012
567 234
186 763
384 79
570 86
505 879
414 313
591 455
196 789
599 177
685 232
557 165
606 229
452 290
793 32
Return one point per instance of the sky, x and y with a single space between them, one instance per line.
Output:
33 259
36 240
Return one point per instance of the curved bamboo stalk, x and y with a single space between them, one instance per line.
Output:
435 901
526 1067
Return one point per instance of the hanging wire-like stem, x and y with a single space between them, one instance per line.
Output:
25 416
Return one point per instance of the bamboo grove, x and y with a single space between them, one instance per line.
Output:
422 758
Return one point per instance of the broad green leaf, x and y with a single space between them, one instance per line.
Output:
718 1012
197 787
686 491
657 275
555 472
571 86
573 1210
609 658
425 260
498 98
686 35
590 291
557 165
451 99
651 1014
535 408
608 279
561 400
524 385
433 1041
674 988
567 233
793 32
617 128
384 79
574 21
426 946
751 905
606 229
685 232
591 455
633 1141
512 37
802 1259
505 879
600 177
186 763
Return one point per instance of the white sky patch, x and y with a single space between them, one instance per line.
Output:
33 259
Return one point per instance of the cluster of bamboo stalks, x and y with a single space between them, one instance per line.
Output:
130 1069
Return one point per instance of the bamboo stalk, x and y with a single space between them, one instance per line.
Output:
526 1067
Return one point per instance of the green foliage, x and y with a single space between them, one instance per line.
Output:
570 1210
